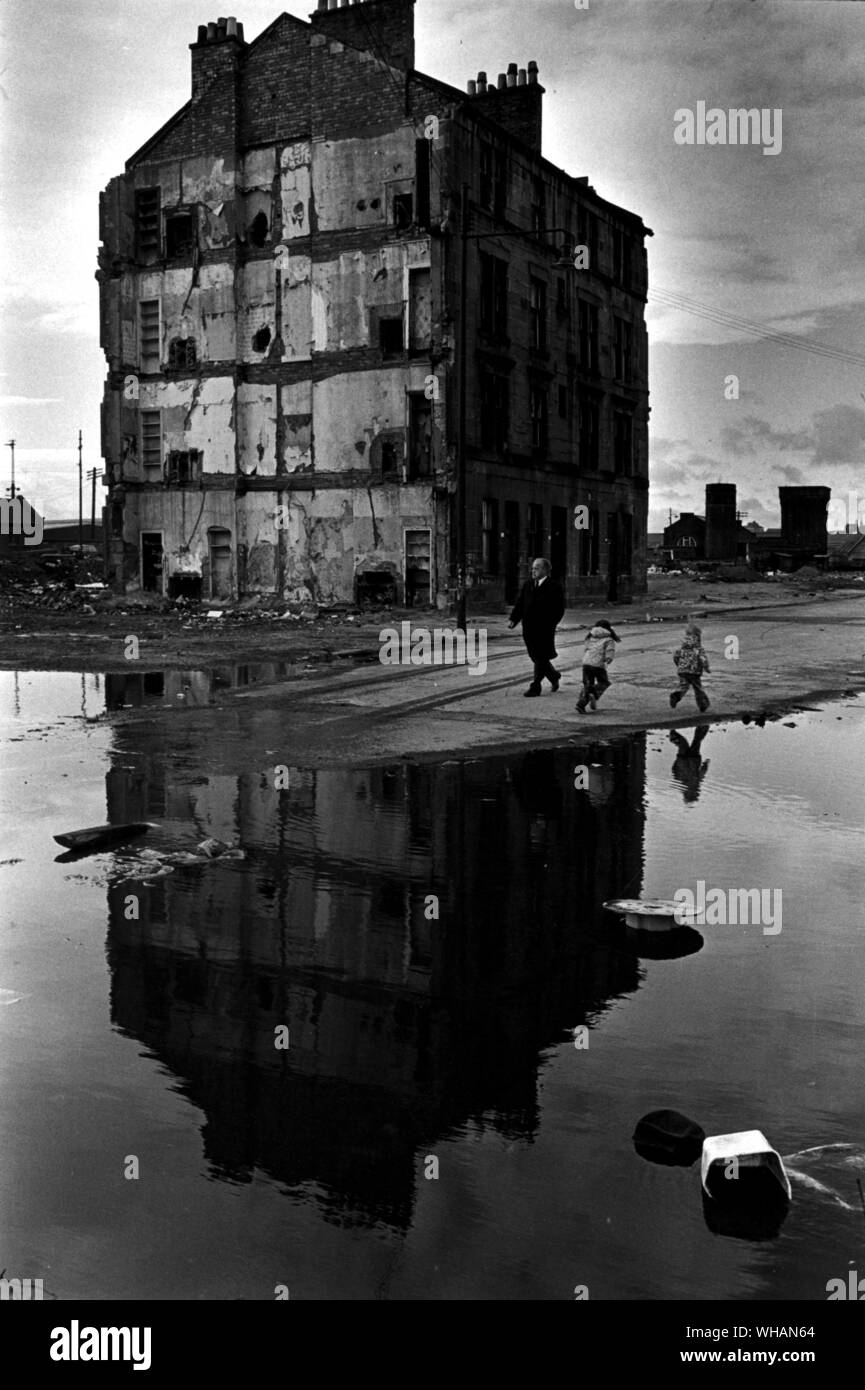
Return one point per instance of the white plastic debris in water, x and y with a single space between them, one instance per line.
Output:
651 914
215 614
726 1155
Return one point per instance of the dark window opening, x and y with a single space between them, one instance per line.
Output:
375 590
154 683
389 457
536 531
622 258
420 436
403 211
495 408
179 234
589 428
184 466
587 234
147 206
490 535
623 351
258 229
186 586
539 207
391 337
624 443
182 353
590 551
538 316
588 337
494 295
261 340
538 413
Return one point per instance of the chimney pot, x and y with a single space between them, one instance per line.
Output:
472 87
202 34
533 72
211 32
220 28
503 81
231 27
512 75
521 80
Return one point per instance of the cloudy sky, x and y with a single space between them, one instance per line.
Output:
756 265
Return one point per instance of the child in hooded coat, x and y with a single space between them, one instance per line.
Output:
691 661
598 655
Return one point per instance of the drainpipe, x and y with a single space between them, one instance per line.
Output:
463 413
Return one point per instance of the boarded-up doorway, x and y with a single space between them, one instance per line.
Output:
151 562
220 564
418 568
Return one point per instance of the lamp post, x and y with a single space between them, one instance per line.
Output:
461 490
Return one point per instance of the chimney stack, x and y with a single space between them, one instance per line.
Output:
520 110
385 27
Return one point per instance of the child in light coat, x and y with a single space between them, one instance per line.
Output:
598 655
691 661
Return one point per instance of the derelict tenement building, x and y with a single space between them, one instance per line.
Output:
281 295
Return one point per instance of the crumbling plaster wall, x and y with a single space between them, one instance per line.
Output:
350 178
185 519
196 415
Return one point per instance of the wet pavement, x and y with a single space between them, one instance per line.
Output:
430 934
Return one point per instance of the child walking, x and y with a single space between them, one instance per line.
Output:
598 655
691 661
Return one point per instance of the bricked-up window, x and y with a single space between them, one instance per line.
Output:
182 353
184 467
590 545
624 340
587 234
622 258
589 432
538 415
538 315
391 336
150 422
495 410
179 233
588 337
422 155
490 535
494 295
148 335
624 442
403 211
147 210
536 530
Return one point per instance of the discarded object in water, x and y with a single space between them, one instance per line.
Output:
95 836
651 914
664 945
668 1137
732 1161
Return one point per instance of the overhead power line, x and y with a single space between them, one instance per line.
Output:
727 319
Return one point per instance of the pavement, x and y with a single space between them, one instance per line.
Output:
789 655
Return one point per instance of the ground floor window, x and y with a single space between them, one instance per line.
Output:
490 535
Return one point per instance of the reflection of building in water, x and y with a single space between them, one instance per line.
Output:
401 1028
136 688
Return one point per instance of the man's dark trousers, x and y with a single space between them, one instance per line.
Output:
540 608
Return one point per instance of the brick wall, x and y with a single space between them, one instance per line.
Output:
386 26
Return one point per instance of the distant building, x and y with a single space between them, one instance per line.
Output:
282 296
685 539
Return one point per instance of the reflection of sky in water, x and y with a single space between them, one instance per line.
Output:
539 1186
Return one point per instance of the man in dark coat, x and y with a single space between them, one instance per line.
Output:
540 608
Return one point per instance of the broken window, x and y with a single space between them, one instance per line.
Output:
258 229
494 295
184 467
419 436
261 340
147 206
179 234
538 316
490 535
151 445
391 336
495 402
403 211
148 334
420 309
588 337
182 353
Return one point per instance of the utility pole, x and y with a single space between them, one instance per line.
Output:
463 413
80 495
12 447
93 474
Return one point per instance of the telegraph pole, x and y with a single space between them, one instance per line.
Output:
12 447
463 413
80 495
93 474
